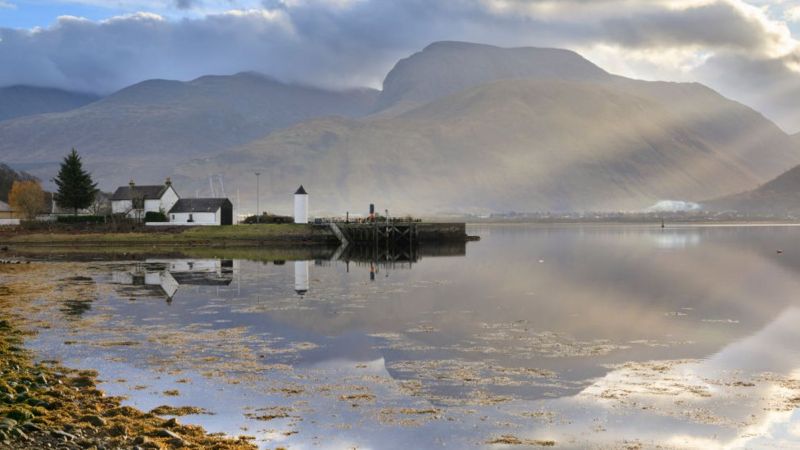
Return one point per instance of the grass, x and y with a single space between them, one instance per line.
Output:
212 235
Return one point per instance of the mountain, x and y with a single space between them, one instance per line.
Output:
19 101
523 145
458 127
151 127
444 68
780 196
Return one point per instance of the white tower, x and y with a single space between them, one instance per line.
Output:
301 277
301 205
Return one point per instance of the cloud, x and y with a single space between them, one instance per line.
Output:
7 5
355 42
185 4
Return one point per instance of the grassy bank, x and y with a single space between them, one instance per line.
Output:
233 235
46 405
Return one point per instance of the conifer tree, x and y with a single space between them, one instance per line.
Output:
76 190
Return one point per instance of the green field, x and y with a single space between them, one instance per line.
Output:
225 235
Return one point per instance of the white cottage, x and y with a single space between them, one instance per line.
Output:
201 211
136 201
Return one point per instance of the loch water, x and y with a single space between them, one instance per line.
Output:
573 336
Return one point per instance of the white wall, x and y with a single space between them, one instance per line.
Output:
301 208
169 199
151 206
202 218
121 206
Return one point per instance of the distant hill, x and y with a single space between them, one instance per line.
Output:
19 101
444 68
780 196
7 178
523 145
151 127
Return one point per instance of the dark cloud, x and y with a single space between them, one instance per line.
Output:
185 4
355 42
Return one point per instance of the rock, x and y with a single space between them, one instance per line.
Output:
171 423
62 435
19 434
41 379
94 420
31 427
166 434
7 424
118 430
177 442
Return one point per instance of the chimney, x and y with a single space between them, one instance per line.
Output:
168 182
131 184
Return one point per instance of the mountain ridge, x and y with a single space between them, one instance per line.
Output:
164 122
21 100
537 161
464 127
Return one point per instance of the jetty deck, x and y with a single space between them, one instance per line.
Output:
399 233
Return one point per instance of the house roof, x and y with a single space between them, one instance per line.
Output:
4 207
145 192
196 205
301 191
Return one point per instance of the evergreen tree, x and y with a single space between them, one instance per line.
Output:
76 189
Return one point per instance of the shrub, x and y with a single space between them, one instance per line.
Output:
81 219
155 216
268 218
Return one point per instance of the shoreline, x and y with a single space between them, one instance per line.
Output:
44 404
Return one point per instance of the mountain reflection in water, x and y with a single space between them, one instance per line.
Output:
582 335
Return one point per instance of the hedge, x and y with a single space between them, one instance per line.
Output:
81 219
155 216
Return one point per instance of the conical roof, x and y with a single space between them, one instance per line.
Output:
301 191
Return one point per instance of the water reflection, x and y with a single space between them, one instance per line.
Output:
588 336
163 278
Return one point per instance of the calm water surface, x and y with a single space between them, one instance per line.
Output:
585 336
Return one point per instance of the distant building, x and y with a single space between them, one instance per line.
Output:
301 205
7 215
5 211
201 211
136 201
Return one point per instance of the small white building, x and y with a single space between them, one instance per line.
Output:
301 205
136 201
201 211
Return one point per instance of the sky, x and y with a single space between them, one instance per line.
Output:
748 50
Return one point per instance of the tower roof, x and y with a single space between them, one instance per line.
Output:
301 191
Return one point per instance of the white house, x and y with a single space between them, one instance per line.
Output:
201 211
136 201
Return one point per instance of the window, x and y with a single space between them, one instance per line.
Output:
173 217
191 219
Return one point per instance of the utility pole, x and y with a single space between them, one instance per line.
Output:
258 199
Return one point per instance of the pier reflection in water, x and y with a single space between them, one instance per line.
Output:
587 336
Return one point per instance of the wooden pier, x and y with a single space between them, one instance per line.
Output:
397 233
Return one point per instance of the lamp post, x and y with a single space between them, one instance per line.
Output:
258 199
